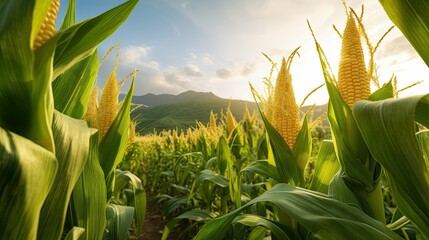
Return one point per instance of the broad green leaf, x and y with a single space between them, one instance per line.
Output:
197 215
350 148
194 215
70 16
25 75
388 128
75 234
79 41
27 172
119 219
302 148
114 143
277 229
412 18
72 88
263 168
325 168
72 147
207 175
385 92
43 100
257 233
423 139
327 218
88 201
173 204
139 195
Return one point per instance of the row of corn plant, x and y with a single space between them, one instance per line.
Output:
374 144
242 181
58 175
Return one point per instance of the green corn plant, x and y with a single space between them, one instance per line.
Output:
42 69
359 158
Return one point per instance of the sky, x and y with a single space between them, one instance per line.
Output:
217 45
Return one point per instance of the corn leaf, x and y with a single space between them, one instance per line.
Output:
119 219
139 195
72 88
412 18
193 215
43 100
263 168
25 75
303 144
325 168
208 175
75 233
278 230
27 172
327 218
88 201
388 128
72 138
423 139
70 16
80 40
385 92
114 143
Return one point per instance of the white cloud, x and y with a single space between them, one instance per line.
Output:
135 55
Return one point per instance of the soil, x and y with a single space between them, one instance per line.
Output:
153 224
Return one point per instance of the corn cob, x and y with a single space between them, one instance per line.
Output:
353 79
91 114
108 104
212 122
230 121
285 115
47 30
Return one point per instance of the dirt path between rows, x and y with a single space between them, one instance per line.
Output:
153 223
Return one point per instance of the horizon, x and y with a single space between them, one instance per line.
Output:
184 45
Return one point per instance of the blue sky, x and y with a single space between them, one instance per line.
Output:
215 45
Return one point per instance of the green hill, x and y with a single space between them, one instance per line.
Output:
181 111
166 111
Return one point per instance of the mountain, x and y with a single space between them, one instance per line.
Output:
167 111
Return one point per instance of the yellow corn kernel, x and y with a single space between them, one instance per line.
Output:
108 104
230 121
47 30
212 123
91 114
353 79
285 115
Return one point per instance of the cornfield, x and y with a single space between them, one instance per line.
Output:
72 166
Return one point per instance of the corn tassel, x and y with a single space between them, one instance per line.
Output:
47 30
230 121
285 115
353 79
